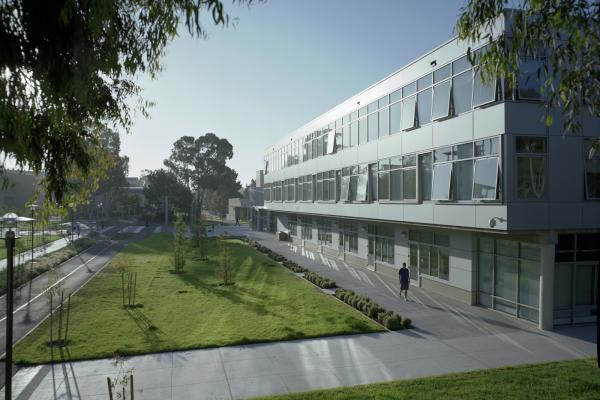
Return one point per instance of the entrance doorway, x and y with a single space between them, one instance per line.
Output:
575 292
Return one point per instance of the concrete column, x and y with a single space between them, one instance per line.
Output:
546 321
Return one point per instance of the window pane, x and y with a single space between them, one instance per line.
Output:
372 107
444 263
506 278
362 111
530 79
413 261
363 179
408 112
409 184
442 174
592 168
354 134
485 179
441 100
460 65
362 131
396 162
409 160
384 185
346 136
424 259
486 267
352 195
462 180
373 121
507 247
462 151
443 154
382 102
424 107
384 124
409 89
395 117
396 185
373 182
433 261
395 96
426 175
531 177
424 82
461 92
345 188
442 73
487 147
529 283
531 144
483 93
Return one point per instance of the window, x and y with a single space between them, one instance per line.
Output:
530 79
483 93
441 100
409 107
592 169
345 186
409 177
373 126
396 178
324 233
346 136
384 123
330 141
348 237
293 227
462 180
362 130
424 107
425 175
354 133
352 193
531 167
462 86
442 174
306 229
382 238
372 185
395 118
429 254
485 179
409 89
383 184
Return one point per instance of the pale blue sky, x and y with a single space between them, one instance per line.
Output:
286 62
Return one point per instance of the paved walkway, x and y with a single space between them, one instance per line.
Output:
448 337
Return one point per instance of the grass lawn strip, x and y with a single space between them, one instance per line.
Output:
192 310
568 380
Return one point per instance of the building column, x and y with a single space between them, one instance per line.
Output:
546 307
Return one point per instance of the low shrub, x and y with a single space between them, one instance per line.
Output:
393 322
320 281
407 323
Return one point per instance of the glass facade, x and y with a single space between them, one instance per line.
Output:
509 277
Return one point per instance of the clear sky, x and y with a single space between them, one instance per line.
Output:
285 62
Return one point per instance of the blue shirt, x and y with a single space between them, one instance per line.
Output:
404 274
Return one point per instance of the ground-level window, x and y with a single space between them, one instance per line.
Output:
509 277
306 229
348 237
324 233
429 254
381 242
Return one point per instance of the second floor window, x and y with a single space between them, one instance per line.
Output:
531 167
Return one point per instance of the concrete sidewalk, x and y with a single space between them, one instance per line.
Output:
449 337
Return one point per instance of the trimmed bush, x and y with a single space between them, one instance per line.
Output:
393 322
320 281
407 323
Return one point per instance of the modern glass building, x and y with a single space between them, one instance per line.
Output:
459 177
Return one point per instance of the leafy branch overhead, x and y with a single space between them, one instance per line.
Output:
565 34
70 66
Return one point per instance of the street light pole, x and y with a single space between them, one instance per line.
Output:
10 245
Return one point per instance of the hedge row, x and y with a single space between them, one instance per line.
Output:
319 280
387 318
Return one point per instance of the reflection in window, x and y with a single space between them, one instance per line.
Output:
483 93
345 186
442 174
362 183
530 79
462 180
424 107
409 184
395 118
485 179
531 167
396 184
409 106
426 175
441 100
592 169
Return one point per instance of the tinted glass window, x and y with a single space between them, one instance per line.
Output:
384 124
409 89
441 100
462 86
485 179
441 181
395 117
442 73
424 107
460 65
408 112
424 82
483 93
395 96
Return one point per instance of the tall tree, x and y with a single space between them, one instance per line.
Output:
201 163
68 66
161 183
565 34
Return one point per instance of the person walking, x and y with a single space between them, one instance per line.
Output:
404 275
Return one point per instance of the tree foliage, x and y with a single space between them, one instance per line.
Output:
200 163
161 183
70 66
563 33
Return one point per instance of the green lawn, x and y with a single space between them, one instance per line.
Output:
567 380
24 243
191 310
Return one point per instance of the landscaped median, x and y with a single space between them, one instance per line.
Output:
368 307
192 309
565 380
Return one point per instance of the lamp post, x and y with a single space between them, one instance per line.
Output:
10 239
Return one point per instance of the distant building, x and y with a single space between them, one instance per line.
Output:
260 178
20 190
242 207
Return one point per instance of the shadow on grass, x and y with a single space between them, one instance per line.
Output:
150 331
